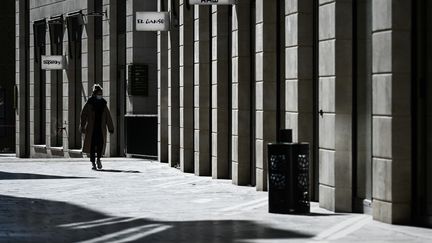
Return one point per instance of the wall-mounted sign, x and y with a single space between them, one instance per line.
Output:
52 62
212 2
152 21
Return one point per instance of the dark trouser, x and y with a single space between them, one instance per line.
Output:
96 146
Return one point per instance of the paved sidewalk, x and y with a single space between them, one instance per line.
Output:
62 200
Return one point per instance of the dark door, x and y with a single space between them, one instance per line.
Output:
39 30
56 31
75 28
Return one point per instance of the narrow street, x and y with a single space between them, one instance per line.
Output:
131 200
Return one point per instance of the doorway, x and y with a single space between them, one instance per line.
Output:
39 30
56 31
75 28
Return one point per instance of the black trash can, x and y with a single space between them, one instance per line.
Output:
289 178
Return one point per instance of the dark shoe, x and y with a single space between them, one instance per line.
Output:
99 164
93 165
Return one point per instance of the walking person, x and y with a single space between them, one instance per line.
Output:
95 118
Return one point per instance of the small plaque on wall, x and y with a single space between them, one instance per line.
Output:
138 79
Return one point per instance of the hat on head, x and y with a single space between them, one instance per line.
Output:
96 88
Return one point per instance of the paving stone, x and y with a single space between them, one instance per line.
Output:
133 200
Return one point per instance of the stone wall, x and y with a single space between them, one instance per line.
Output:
391 79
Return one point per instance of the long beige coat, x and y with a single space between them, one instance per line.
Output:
87 123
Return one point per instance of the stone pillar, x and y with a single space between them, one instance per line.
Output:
391 118
66 99
299 72
162 53
49 110
202 90
173 87
241 91
186 87
220 92
109 70
266 86
335 102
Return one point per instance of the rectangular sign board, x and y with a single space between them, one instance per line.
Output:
52 62
152 21
212 2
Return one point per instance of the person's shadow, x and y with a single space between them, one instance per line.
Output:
118 171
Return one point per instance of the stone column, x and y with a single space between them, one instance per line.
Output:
391 118
266 87
241 88
220 82
66 99
335 102
48 98
109 70
186 87
299 71
162 53
202 90
173 87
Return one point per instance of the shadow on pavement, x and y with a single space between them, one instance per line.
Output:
324 214
315 214
26 176
119 171
37 220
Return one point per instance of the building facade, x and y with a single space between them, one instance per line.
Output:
339 73
349 77
99 46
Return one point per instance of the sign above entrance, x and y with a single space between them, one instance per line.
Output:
152 21
212 2
52 62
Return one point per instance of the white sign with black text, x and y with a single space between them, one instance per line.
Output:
212 2
52 62
152 21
